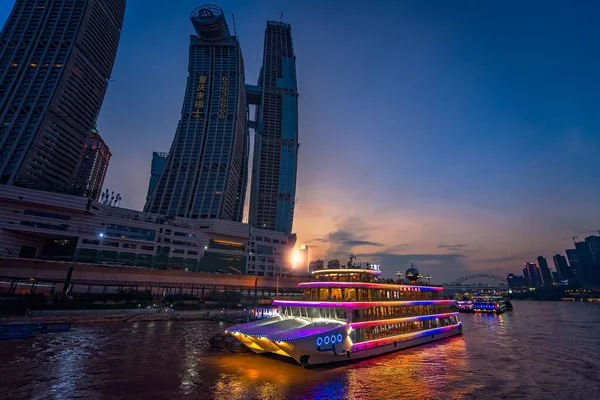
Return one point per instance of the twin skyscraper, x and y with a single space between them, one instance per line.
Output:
207 169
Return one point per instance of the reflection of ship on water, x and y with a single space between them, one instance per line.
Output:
495 303
347 314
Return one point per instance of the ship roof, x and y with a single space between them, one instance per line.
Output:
371 285
348 271
285 329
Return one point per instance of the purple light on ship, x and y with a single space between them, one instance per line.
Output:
371 286
357 304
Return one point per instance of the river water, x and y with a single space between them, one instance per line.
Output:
538 351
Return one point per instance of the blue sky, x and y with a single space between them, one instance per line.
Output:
462 135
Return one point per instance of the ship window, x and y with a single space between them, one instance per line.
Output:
296 311
313 312
336 294
324 294
350 294
340 313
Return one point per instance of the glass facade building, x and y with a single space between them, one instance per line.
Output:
563 269
586 260
157 167
576 266
594 244
92 168
206 170
56 58
275 160
545 270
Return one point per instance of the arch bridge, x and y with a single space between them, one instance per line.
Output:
462 279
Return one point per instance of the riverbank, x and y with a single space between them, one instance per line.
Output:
107 316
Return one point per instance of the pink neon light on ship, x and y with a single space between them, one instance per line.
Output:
357 304
365 324
351 271
377 342
367 285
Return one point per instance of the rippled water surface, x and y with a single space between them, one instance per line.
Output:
538 351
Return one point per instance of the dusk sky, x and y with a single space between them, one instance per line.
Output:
461 135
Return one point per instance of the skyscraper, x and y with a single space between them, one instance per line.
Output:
275 161
156 168
576 267
545 271
588 265
56 58
304 260
526 277
92 169
535 277
205 172
560 263
594 243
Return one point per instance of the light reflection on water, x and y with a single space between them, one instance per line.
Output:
540 350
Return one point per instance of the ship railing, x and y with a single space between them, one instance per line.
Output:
342 300
408 315
301 298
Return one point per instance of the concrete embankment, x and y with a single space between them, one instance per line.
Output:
103 316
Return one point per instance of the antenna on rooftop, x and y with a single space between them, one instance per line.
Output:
281 18
234 29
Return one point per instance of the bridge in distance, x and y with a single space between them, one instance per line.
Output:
458 286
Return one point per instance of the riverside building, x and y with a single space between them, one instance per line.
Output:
41 225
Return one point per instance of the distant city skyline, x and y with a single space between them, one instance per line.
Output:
432 133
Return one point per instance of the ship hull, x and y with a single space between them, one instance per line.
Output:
306 352
325 358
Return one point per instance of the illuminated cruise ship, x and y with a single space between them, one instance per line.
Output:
350 314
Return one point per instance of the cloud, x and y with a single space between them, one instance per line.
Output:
453 247
505 259
348 234
354 243
347 239
442 267
395 248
